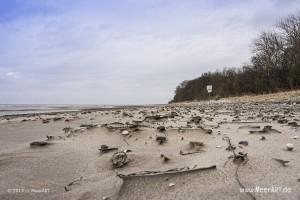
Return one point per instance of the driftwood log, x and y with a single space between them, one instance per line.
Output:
39 144
266 129
104 148
170 171
67 187
282 162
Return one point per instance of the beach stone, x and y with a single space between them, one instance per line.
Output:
165 158
208 131
289 146
245 143
161 139
196 119
282 121
104 147
161 129
171 184
293 124
45 121
267 128
295 137
173 114
125 132
50 137
125 114
263 138
57 118
194 144
67 129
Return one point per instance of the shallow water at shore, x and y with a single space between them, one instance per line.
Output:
20 109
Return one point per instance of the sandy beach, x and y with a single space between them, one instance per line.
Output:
168 149
149 100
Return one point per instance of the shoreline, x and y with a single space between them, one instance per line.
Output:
274 98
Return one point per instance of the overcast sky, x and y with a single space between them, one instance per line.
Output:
123 51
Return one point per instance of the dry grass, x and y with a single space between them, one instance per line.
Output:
280 96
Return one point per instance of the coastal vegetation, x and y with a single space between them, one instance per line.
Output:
274 67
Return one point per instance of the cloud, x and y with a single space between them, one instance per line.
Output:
124 52
15 75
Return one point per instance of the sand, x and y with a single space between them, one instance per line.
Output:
46 172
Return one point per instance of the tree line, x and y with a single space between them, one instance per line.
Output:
274 66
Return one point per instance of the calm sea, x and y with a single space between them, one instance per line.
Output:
15 109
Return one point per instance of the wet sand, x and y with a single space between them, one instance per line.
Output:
46 172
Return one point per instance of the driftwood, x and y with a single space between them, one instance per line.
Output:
161 129
156 117
293 124
242 122
67 129
124 126
230 147
72 183
39 144
195 144
125 141
240 183
266 129
119 159
249 126
282 162
57 118
165 158
104 148
46 121
186 129
160 117
237 157
282 121
89 126
208 131
170 171
191 152
241 157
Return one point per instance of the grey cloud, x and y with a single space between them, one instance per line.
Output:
90 57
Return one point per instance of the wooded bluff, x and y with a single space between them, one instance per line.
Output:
274 66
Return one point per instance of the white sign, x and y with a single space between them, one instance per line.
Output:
209 88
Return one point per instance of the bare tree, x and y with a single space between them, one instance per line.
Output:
274 66
268 49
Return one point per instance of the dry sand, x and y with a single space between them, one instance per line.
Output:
45 172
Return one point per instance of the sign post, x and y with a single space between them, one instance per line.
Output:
209 89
